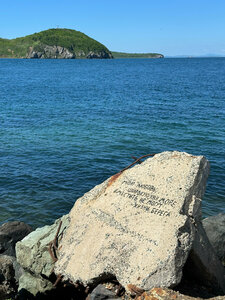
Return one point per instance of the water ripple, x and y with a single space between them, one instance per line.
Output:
66 126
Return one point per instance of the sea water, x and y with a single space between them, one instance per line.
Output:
67 125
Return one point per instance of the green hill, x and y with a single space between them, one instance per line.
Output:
136 55
53 43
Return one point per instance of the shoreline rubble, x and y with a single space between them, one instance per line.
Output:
198 272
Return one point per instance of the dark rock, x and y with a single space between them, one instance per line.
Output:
7 281
190 287
10 234
61 292
101 54
101 293
203 266
215 230
159 56
34 54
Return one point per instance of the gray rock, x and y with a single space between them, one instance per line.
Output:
102 293
139 226
57 52
33 255
7 277
215 230
10 234
18 270
204 264
80 54
34 283
34 54
51 52
46 51
100 55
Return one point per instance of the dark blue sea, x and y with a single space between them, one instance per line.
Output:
67 125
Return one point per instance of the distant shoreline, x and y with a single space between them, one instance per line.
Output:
136 55
115 58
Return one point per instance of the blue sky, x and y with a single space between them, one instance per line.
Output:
171 27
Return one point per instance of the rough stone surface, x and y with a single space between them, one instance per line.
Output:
33 255
101 293
18 270
10 234
34 284
7 280
57 52
138 225
168 294
203 263
51 52
215 230
61 52
101 54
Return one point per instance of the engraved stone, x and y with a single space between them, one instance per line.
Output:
137 226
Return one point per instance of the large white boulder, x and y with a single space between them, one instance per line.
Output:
138 226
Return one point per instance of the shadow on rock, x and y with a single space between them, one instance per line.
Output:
59 293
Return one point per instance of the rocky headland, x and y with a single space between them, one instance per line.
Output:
62 44
54 43
138 235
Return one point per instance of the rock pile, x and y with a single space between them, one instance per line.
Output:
7 277
10 234
10 270
133 236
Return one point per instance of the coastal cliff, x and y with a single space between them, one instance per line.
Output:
64 44
54 43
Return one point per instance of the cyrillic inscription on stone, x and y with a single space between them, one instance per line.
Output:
137 226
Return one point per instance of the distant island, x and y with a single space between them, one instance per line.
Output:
136 55
54 43
61 43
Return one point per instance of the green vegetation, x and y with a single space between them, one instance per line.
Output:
136 55
76 42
